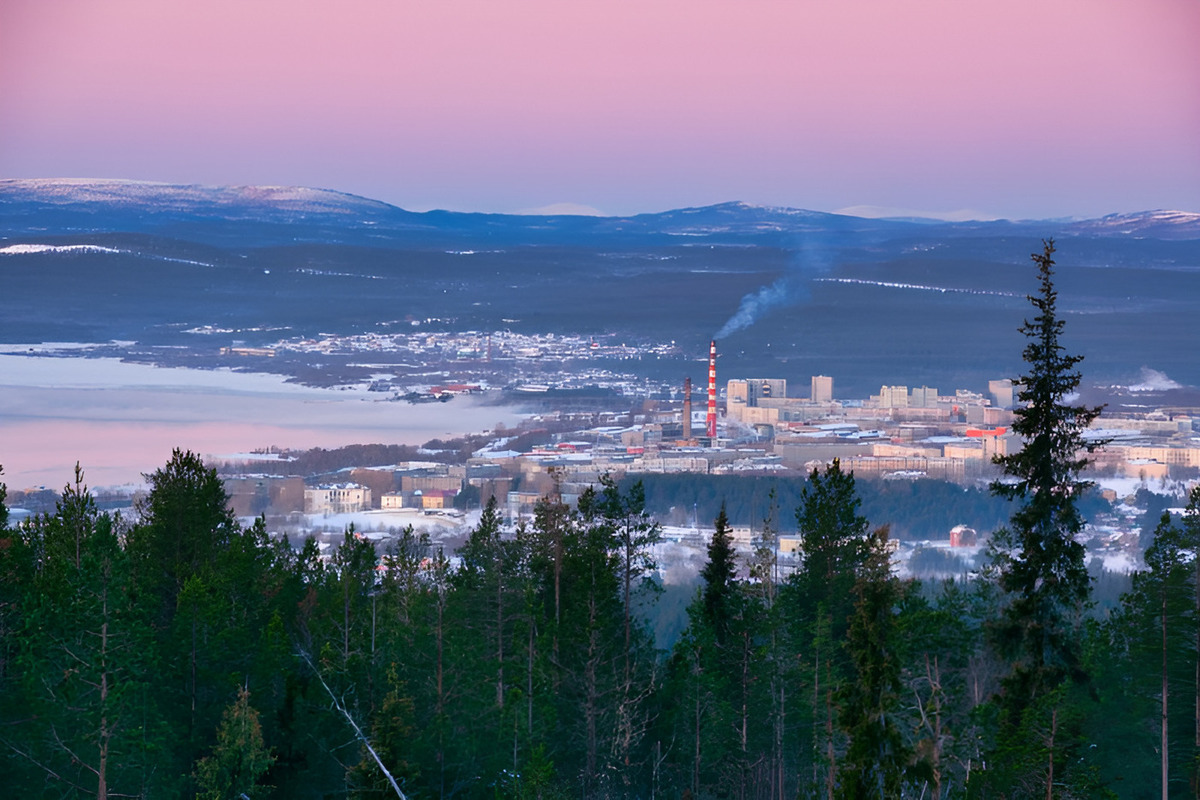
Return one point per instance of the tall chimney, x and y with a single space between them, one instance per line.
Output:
687 409
712 390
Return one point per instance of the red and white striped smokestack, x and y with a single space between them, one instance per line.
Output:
687 409
712 390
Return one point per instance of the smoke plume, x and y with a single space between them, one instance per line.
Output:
810 258
1154 381
755 304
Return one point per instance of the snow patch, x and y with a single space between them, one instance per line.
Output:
29 249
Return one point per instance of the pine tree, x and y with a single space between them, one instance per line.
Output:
1191 538
3 507
482 608
833 535
87 658
776 660
1162 604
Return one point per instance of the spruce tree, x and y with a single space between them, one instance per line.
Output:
718 575
835 543
877 755
240 757
1045 570
86 662
3 508
712 671
185 523
1040 562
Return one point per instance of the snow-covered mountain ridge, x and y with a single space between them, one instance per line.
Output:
84 200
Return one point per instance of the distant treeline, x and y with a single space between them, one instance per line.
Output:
920 509
916 510
321 461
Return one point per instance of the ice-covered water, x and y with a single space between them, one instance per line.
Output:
121 420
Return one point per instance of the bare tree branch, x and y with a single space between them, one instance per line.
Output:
42 766
357 730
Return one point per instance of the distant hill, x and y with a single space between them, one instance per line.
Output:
791 292
142 207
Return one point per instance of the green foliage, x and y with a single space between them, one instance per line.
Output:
920 509
3 507
392 733
1152 651
240 757
877 756
185 523
1042 709
714 670
718 575
86 663
1042 566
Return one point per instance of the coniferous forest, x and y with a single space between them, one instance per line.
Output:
180 654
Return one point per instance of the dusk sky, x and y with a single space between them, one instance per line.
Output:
1018 108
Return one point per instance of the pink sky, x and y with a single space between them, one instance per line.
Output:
1013 108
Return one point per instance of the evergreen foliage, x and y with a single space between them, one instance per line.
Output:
3 507
240 757
877 756
1044 571
718 575
1040 560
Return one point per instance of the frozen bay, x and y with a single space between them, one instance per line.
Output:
120 420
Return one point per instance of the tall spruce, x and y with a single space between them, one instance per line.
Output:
713 670
3 497
1044 569
835 544
877 754
718 575
1040 566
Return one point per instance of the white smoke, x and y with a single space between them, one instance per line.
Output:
1154 381
755 305
811 256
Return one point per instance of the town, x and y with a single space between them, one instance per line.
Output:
764 427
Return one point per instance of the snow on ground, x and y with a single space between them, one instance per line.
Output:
30 249
256 457
1121 562
376 524
1126 487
